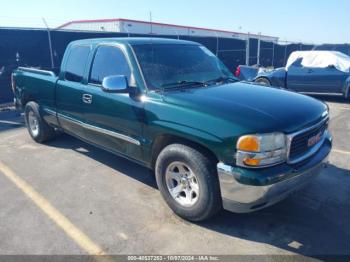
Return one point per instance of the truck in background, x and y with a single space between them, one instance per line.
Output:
309 72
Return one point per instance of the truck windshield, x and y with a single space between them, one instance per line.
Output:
178 65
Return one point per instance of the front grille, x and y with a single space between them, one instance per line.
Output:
299 143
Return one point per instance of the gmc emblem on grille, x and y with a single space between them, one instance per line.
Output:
314 140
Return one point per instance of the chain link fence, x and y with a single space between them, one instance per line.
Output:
44 48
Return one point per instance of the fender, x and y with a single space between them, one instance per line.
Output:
198 136
277 77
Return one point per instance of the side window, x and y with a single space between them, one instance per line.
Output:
108 61
298 62
76 63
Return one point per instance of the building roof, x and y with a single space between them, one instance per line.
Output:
134 41
155 23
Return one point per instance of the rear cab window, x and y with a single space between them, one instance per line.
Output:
76 63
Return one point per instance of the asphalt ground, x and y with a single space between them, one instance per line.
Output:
69 198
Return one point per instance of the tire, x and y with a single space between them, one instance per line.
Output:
38 129
195 196
263 81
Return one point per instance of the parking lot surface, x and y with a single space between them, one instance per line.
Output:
67 197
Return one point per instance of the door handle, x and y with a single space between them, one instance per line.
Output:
310 71
87 98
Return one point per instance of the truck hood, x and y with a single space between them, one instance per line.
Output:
253 108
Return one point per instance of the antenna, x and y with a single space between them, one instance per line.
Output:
50 42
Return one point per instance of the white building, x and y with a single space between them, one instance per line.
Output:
142 27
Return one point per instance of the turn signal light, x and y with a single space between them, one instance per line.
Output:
252 162
248 143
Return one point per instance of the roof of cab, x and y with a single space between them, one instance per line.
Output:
133 41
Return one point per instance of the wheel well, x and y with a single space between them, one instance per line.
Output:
163 141
26 100
262 77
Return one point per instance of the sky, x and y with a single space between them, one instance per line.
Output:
308 21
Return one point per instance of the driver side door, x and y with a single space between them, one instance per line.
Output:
114 120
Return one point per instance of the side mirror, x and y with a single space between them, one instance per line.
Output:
115 84
331 66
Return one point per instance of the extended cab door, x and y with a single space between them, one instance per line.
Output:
114 120
69 96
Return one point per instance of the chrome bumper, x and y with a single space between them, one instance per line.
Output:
243 198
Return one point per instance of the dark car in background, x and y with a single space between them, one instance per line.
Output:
314 72
247 73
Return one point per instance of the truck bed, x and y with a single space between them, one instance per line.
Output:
35 85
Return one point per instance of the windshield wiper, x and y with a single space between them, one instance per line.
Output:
222 79
187 83
184 83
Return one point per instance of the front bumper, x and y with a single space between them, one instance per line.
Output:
246 190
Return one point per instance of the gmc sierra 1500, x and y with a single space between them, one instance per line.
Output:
173 107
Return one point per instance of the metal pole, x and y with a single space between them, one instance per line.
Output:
285 54
247 55
50 43
273 54
217 44
150 20
258 53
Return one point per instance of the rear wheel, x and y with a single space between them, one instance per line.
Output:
38 129
188 182
263 81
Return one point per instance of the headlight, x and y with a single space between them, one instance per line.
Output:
261 150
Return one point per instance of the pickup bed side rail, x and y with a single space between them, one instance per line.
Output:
37 71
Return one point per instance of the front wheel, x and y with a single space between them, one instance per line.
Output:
263 82
38 129
188 182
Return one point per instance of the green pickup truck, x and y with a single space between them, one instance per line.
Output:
173 107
